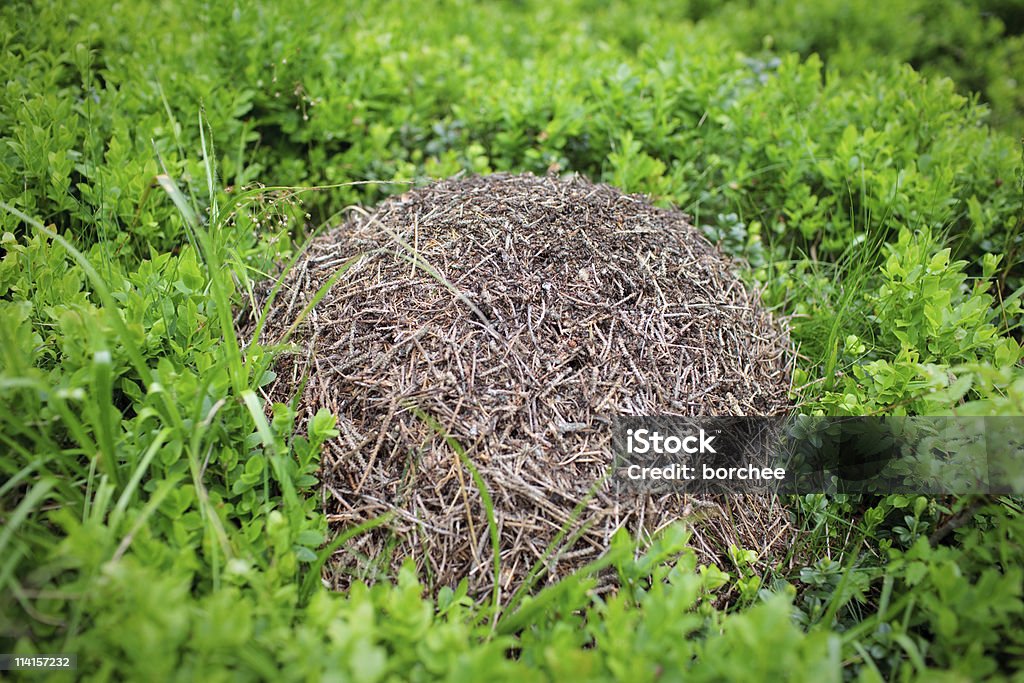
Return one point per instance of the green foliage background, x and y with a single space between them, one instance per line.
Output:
159 158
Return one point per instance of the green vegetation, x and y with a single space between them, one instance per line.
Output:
160 525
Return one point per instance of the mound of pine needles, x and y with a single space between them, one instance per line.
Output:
475 338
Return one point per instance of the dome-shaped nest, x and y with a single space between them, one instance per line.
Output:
510 318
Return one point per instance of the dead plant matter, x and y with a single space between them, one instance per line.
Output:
512 316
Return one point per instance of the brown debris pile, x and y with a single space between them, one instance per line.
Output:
514 316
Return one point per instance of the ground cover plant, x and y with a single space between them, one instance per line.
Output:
159 161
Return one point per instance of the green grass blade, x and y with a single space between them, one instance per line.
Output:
35 496
140 471
252 402
320 293
106 423
487 502
310 581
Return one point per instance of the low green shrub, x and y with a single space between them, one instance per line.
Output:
161 521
